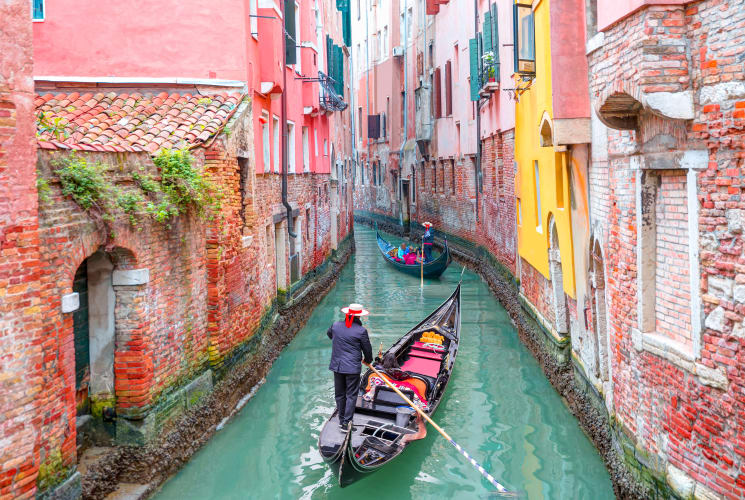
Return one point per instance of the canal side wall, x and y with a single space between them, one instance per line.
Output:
632 477
235 382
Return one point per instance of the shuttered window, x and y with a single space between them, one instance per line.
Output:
473 60
438 94
495 31
290 35
373 126
448 88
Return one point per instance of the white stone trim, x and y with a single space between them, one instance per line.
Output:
129 277
595 43
693 260
675 105
70 302
139 80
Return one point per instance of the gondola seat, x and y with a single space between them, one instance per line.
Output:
423 366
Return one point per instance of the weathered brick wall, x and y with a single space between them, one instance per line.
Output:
21 339
680 405
160 325
537 289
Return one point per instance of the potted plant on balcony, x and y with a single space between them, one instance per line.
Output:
489 62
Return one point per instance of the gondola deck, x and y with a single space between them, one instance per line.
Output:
433 269
375 439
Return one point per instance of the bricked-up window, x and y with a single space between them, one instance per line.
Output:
37 10
664 253
437 97
448 89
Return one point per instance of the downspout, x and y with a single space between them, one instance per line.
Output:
283 113
477 165
406 104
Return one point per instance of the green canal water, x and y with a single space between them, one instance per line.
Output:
498 406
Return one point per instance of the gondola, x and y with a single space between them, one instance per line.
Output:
431 269
426 356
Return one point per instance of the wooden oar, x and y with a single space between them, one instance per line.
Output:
501 489
421 267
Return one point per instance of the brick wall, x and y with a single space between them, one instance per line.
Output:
21 340
680 404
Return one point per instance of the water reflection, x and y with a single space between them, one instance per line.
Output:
499 406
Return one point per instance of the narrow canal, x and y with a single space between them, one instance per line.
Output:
499 406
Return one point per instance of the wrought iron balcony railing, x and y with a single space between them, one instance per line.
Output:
489 77
329 99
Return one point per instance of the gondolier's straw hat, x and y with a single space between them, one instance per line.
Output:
352 311
427 224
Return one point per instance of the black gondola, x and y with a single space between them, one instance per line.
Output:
426 355
431 269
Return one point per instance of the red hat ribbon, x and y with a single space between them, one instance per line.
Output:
350 317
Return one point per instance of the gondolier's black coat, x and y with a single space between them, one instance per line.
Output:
348 344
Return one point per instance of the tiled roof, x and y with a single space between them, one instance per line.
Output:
132 122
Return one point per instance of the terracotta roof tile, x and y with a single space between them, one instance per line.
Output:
135 122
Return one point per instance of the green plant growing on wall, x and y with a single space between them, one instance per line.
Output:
180 188
490 62
56 126
52 471
43 190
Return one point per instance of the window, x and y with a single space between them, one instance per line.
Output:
307 223
37 10
538 226
524 42
325 147
253 11
452 169
519 213
448 89
315 141
385 42
265 139
291 148
275 133
306 150
291 34
298 58
560 183
359 115
437 94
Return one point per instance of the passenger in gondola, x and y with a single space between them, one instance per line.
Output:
350 342
427 241
410 258
402 251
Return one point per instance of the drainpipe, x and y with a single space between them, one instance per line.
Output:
477 166
406 104
285 150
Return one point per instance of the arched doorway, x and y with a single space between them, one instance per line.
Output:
93 327
561 319
599 312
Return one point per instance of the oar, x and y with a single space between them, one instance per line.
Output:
501 489
421 266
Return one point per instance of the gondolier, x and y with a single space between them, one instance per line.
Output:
349 342
427 241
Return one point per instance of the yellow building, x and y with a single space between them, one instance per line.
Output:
542 184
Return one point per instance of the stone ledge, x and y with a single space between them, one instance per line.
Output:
594 43
676 353
129 277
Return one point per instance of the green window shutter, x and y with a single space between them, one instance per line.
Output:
473 57
487 32
290 52
495 31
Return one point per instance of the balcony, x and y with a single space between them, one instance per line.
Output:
488 79
330 101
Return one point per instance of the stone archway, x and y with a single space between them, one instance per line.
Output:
556 276
599 312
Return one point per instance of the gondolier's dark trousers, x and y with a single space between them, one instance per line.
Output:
346 387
